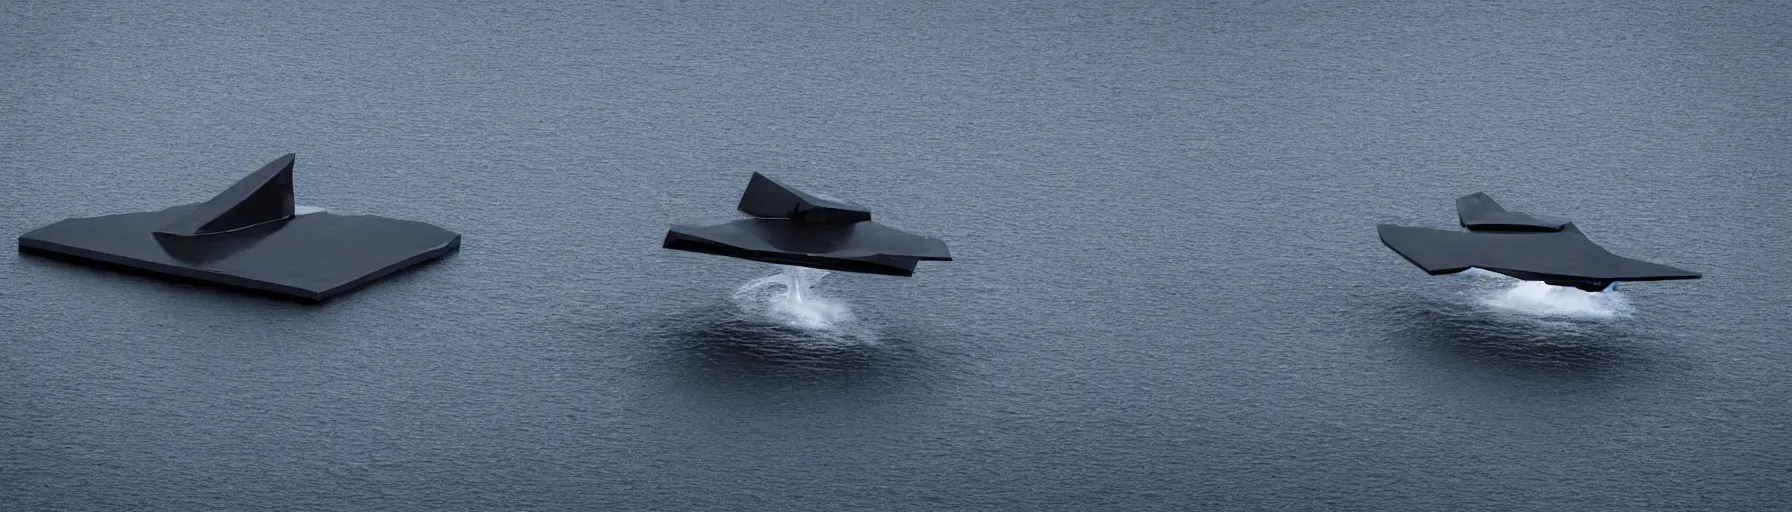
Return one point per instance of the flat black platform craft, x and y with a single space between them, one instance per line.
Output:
791 227
1532 248
250 238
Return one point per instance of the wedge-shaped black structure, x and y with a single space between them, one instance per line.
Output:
769 199
249 238
1520 245
262 197
1478 212
795 228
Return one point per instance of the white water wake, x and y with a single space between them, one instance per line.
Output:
1539 299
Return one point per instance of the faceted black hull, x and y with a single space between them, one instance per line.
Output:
864 247
1564 258
1520 245
307 258
793 227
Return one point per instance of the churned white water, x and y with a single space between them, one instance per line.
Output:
1540 299
790 298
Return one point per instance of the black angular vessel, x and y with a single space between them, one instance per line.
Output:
1520 245
794 228
249 238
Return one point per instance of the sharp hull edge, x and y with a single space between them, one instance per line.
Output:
879 265
309 259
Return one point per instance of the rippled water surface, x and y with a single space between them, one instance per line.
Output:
1168 292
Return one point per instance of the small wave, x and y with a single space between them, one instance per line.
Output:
307 210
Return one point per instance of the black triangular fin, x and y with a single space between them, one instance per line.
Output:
769 199
1479 212
262 197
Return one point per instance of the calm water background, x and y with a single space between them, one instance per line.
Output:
1168 293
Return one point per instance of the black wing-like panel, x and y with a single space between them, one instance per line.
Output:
1566 255
864 247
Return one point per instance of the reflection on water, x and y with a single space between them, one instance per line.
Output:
1518 338
738 344
1525 327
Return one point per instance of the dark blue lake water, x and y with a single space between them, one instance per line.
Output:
1168 292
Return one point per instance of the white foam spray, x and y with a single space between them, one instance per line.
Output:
790 298
307 210
1540 299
